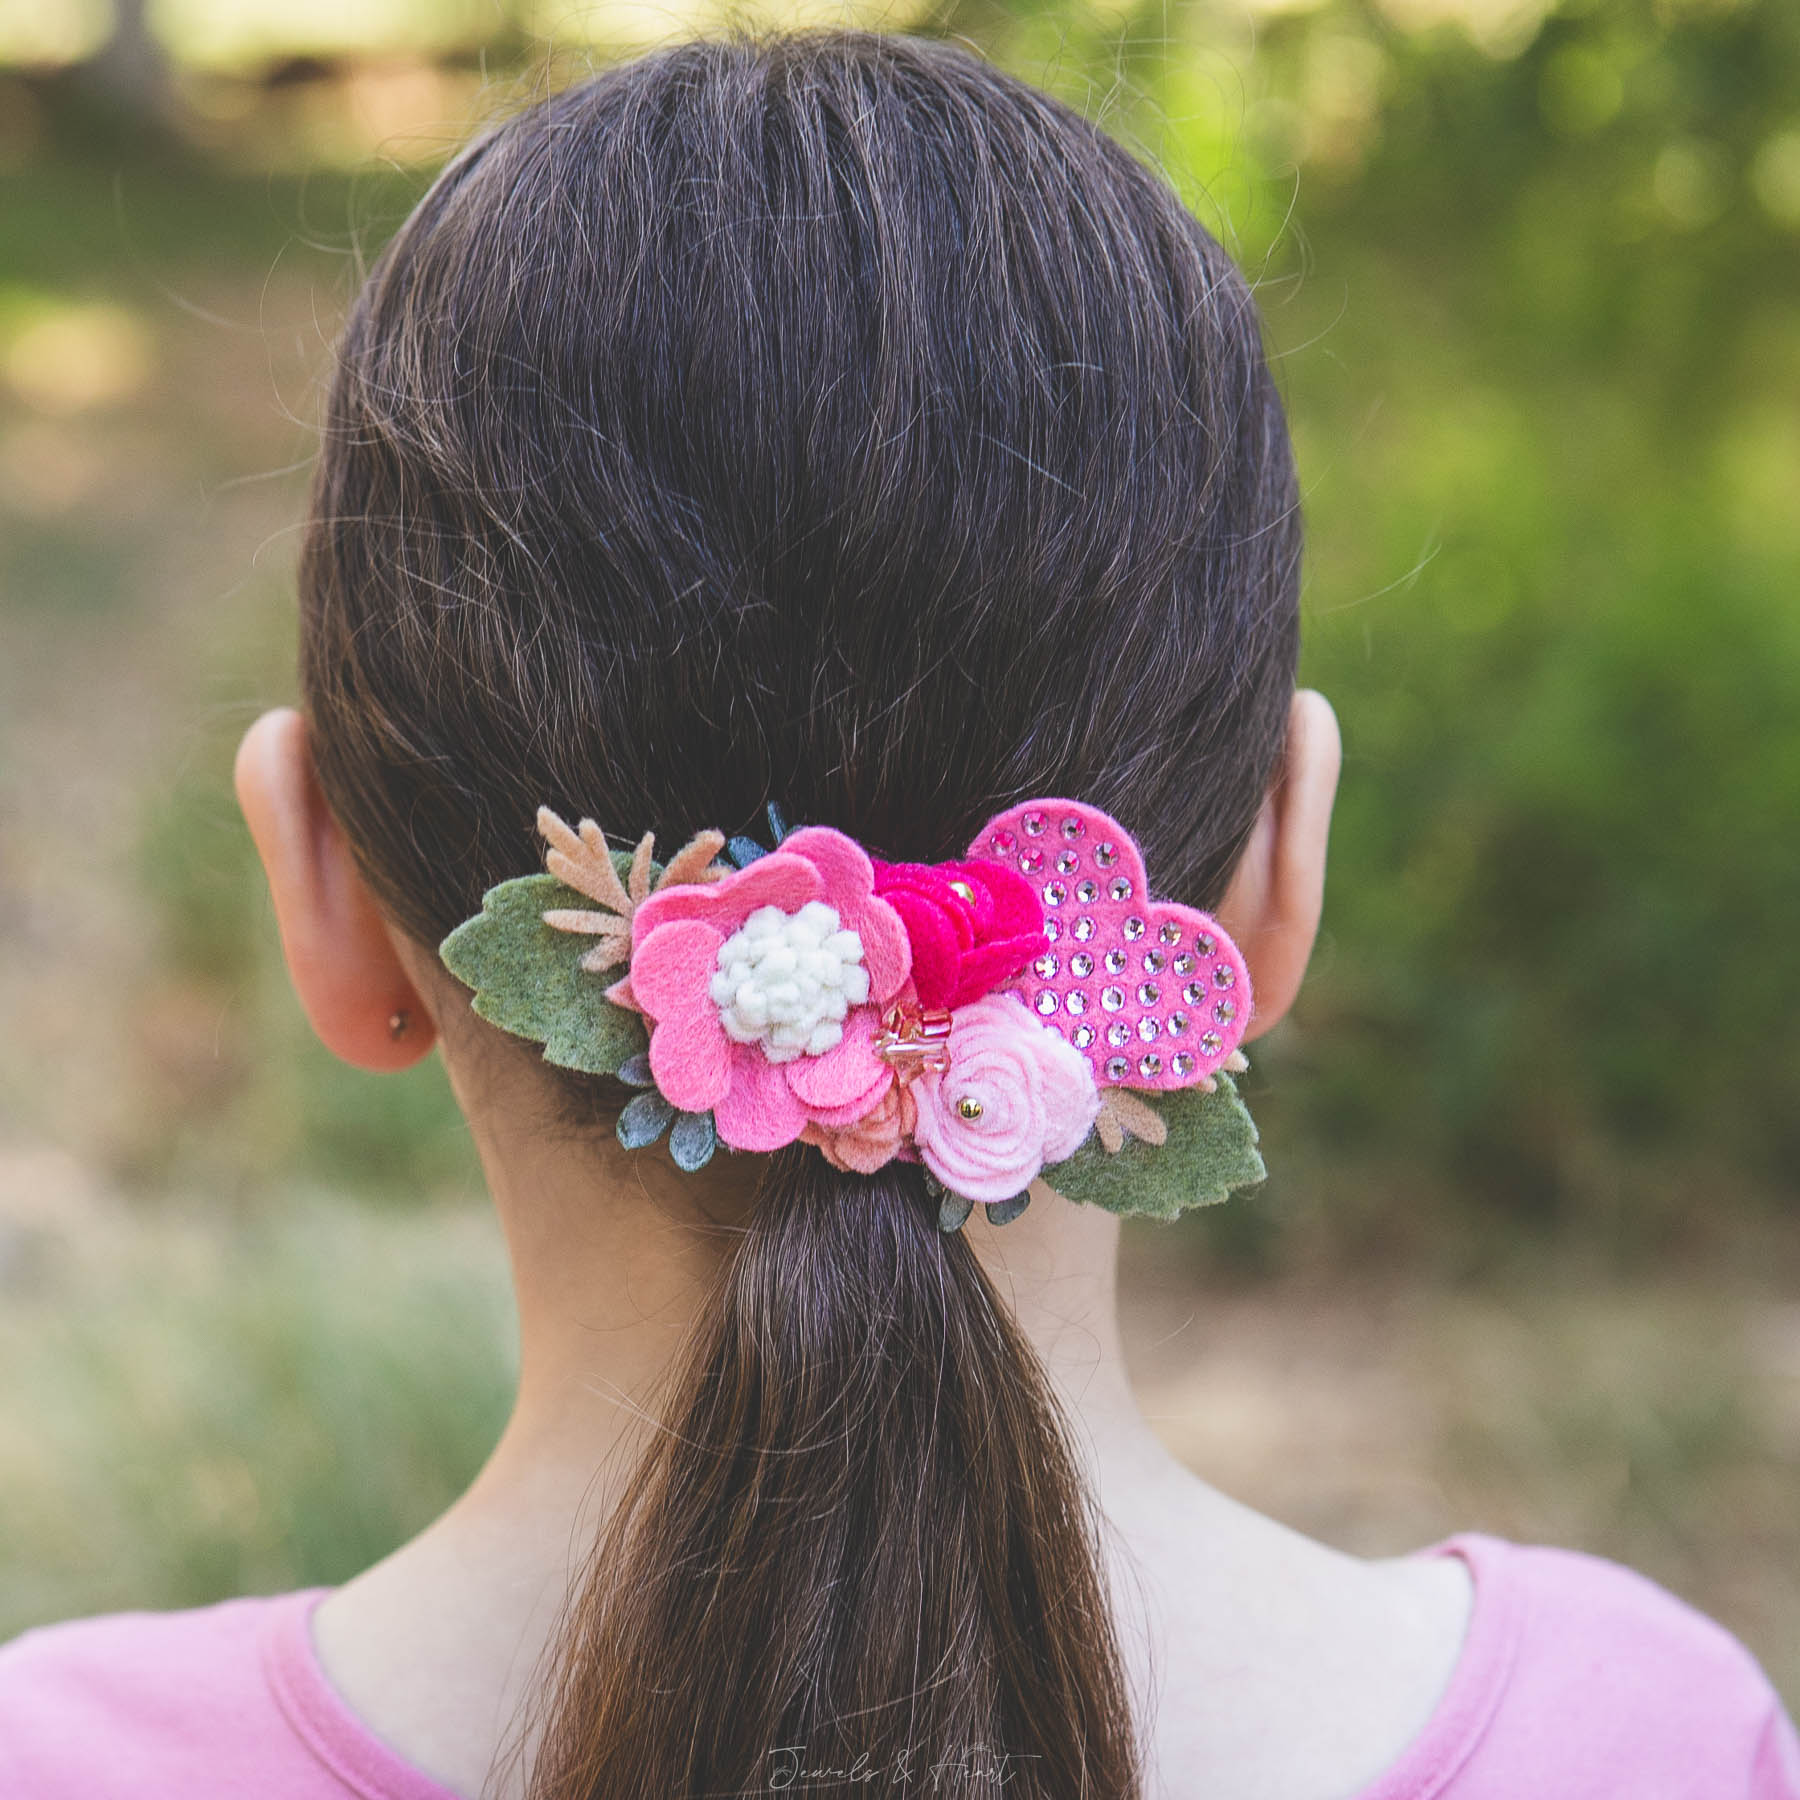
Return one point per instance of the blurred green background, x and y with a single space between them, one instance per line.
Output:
1529 1254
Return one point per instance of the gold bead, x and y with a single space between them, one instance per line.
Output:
969 1107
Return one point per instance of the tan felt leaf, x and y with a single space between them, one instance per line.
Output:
594 924
606 954
1137 1116
638 884
1111 1132
583 863
556 833
693 860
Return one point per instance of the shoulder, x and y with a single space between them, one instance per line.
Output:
1612 1684
180 1699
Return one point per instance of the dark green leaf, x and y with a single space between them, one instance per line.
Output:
645 1118
693 1140
1003 1212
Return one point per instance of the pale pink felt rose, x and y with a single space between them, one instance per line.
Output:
761 1060
1014 1097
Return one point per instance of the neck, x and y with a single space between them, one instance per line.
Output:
615 1257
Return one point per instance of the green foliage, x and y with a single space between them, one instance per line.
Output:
1210 1150
192 1411
528 979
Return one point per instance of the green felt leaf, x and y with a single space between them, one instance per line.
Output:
1211 1150
528 981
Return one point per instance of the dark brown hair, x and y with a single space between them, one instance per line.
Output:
831 419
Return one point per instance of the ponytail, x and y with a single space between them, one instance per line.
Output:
830 418
859 1552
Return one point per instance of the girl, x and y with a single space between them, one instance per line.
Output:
833 421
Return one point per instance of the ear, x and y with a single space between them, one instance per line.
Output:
340 956
1277 892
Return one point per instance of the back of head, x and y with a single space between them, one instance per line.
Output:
827 419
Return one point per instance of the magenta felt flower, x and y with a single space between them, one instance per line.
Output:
1014 1098
764 990
972 925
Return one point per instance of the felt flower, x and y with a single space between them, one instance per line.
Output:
972 925
764 990
874 1140
1014 1097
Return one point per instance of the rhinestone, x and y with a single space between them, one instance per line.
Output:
1178 1023
1117 1068
1084 929
1181 1063
1194 994
968 1107
1224 976
1033 824
1148 1029
1115 961
1046 1001
1211 1043
1053 929
1046 965
1031 860
1087 890
1003 843
1067 863
1112 998
1106 855
1120 887
1224 1012
1150 1065
1055 893
1081 964
1075 1001
1206 943
1170 933
1148 993
1184 962
1082 1036
1118 1034
1154 961
1133 928
1072 828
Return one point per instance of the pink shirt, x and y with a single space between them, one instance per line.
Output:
1578 1680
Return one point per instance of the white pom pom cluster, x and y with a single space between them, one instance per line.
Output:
786 980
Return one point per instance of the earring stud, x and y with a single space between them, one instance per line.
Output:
398 1023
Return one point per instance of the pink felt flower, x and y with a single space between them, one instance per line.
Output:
972 925
874 1140
764 990
1014 1098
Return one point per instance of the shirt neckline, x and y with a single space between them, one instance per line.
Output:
322 1719
1478 1680
370 1768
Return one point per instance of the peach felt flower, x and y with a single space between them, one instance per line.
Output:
764 990
1014 1097
874 1140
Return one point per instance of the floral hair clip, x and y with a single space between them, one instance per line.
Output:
1026 1021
